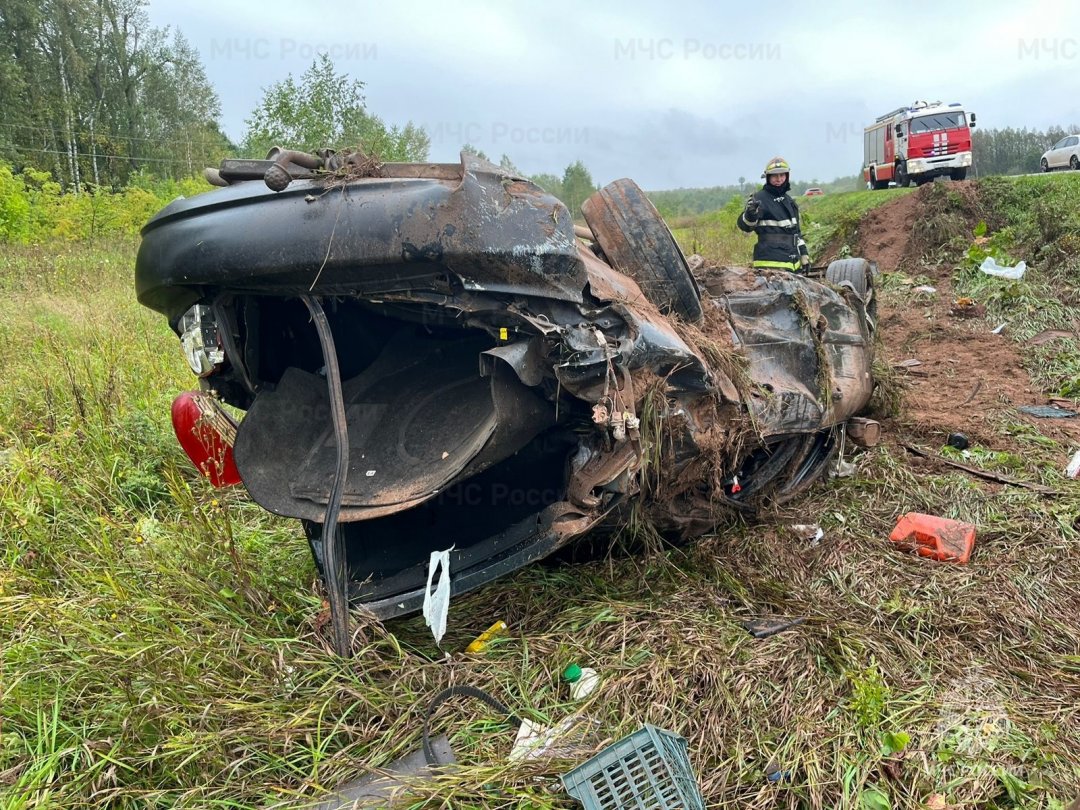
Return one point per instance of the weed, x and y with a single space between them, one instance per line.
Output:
163 651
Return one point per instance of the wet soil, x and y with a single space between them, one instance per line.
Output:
967 379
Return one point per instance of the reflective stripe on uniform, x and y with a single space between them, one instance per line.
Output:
782 265
777 223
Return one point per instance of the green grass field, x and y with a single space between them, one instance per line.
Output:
164 644
826 219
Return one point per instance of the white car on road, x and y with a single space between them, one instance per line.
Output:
1065 154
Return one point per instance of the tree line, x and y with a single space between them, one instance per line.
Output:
97 97
92 92
1013 151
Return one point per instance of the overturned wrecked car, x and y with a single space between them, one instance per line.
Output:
432 355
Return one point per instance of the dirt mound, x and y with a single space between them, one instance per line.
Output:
967 378
885 234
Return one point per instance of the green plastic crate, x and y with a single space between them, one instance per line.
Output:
649 770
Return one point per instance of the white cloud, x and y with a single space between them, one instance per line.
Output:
673 94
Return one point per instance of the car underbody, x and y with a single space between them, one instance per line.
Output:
431 356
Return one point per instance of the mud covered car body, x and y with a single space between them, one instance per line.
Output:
506 385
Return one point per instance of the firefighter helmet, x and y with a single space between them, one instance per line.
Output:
776 166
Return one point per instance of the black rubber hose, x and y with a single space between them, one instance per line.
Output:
459 691
333 554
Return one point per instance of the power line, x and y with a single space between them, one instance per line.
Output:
45 130
172 161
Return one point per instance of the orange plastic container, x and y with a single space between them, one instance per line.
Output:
938 538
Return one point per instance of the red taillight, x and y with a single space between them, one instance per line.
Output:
206 432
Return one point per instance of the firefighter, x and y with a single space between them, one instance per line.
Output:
774 217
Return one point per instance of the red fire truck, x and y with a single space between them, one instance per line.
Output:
916 144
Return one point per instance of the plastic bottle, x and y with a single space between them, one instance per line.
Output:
583 681
479 643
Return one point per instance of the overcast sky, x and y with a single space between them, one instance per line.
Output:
671 94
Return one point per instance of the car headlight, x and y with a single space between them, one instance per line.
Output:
200 340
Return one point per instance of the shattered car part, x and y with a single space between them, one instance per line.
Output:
506 385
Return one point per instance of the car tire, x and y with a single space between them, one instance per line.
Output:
859 274
1074 163
638 243
903 179
1044 165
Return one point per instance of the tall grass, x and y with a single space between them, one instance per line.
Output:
164 645
827 221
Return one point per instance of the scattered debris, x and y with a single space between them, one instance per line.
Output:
864 432
809 532
437 603
1073 468
1048 335
958 441
694 262
650 768
997 330
583 681
938 538
765 626
989 476
479 644
925 289
376 789
992 268
433 757
974 391
1047 411
775 775
842 469
967 308
564 741
908 363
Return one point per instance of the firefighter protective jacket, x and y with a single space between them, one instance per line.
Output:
780 242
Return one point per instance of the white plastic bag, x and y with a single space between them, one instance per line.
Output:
1073 470
992 268
437 603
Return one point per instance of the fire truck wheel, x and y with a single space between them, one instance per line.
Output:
959 174
859 275
638 244
902 178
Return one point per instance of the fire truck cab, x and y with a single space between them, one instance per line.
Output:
917 143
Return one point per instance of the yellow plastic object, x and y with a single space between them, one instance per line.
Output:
481 641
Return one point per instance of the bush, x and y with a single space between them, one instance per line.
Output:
34 209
